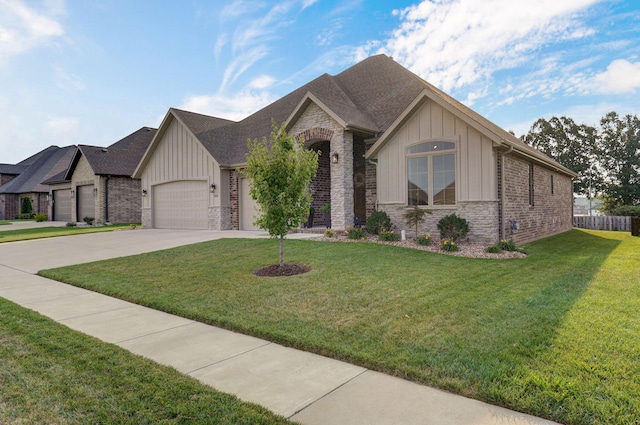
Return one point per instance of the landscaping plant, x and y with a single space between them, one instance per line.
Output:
414 216
280 172
453 228
378 221
355 233
388 236
424 239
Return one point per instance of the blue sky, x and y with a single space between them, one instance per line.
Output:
93 71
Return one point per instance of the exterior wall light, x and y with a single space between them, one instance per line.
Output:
334 158
144 192
213 187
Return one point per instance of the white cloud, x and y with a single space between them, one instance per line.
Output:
621 76
62 131
23 28
234 107
455 43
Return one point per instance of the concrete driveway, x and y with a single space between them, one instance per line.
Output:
305 387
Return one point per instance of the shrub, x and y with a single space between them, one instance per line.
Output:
88 220
424 239
71 224
627 210
41 217
26 207
24 216
378 221
449 246
329 233
453 228
355 233
493 249
388 236
508 245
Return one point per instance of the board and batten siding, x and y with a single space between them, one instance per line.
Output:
178 156
476 171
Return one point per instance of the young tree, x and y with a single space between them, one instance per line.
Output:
280 172
414 216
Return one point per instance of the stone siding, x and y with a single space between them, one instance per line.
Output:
552 209
481 215
147 223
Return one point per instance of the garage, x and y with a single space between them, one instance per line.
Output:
62 205
248 210
86 202
181 205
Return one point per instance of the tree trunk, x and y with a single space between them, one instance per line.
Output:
281 251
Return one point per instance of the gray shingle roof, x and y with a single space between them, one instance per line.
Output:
40 167
369 96
119 159
11 169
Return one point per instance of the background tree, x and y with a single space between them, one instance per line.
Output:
573 145
280 172
619 155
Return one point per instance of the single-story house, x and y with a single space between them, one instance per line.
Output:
24 180
387 140
98 183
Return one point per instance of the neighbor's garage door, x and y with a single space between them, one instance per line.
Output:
248 211
86 202
181 205
62 205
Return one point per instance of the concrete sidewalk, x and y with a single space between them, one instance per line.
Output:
305 387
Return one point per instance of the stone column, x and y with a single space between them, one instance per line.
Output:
342 180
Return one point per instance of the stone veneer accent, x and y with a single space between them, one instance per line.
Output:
146 218
552 209
219 218
481 215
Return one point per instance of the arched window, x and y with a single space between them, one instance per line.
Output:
431 173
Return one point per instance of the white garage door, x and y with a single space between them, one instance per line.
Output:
86 202
62 205
248 211
181 205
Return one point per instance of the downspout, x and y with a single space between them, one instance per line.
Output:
106 200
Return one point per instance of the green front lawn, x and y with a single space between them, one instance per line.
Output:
50 232
556 334
50 374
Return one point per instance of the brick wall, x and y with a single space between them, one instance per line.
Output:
125 200
552 208
321 184
234 191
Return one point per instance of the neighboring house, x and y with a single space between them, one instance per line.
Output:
24 180
387 140
98 183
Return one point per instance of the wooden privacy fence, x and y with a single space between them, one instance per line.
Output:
604 222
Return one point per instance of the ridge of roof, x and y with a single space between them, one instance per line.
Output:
47 164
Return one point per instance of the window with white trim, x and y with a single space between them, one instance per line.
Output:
431 174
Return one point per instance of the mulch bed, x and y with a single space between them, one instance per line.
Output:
286 270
